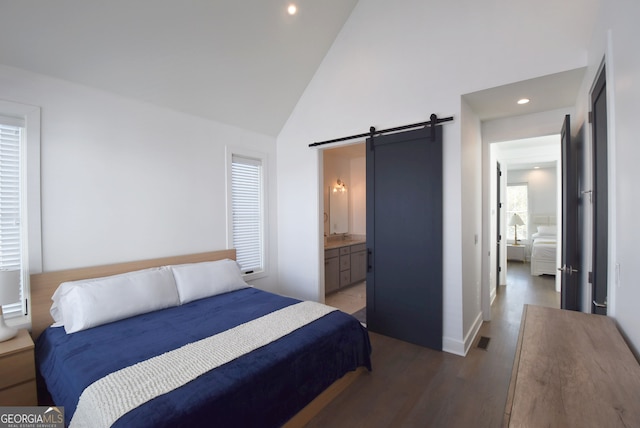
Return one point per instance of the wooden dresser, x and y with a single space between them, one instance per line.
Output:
572 370
17 371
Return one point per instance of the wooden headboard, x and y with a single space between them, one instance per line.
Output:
43 285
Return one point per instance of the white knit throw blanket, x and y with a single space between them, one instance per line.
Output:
107 399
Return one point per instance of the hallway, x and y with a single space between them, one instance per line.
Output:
411 386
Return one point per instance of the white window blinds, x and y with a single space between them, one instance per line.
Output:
247 212
518 203
10 208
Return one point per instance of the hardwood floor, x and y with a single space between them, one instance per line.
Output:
411 386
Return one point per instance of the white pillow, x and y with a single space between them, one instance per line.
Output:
547 230
199 280
83 304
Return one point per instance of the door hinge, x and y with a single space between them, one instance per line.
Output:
590 117
590 277
500 269
499 204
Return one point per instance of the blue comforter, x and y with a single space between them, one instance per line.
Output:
263 388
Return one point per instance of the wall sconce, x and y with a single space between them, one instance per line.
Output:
339 187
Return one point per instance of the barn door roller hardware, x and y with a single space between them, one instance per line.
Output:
372 131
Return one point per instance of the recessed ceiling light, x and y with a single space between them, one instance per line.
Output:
536 167
523 101
292 9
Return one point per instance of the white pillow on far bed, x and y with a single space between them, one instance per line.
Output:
79 305
199 280
547 231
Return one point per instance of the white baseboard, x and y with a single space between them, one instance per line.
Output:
453 346
459 347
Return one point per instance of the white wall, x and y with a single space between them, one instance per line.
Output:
358 197
471 223
615 38
123 180
394 64
542 189
526 126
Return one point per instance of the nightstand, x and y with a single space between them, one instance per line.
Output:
18 371
516 252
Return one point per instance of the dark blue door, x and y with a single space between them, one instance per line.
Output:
600 196
570 253
404 236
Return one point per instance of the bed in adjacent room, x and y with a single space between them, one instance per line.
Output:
544 247
207 350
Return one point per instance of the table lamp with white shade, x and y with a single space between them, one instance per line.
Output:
9 293
515 221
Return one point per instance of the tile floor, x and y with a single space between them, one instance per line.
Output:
349 299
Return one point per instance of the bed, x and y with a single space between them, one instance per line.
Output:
544 247
243 357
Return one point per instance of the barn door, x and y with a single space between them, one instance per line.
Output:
404 236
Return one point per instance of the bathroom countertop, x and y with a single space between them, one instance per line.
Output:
343 243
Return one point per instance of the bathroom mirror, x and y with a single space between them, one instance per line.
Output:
338 210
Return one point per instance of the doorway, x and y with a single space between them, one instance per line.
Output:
530 190
344 184
501 119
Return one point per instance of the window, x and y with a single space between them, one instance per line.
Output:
20 231
247 209
10 208
518 203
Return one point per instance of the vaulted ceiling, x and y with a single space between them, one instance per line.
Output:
244 63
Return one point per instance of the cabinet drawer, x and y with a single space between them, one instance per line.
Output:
345 262
345 250
17 368
331 274
516 252
358 247
328 254
345 278
24 394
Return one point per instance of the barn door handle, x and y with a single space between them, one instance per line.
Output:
369 257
